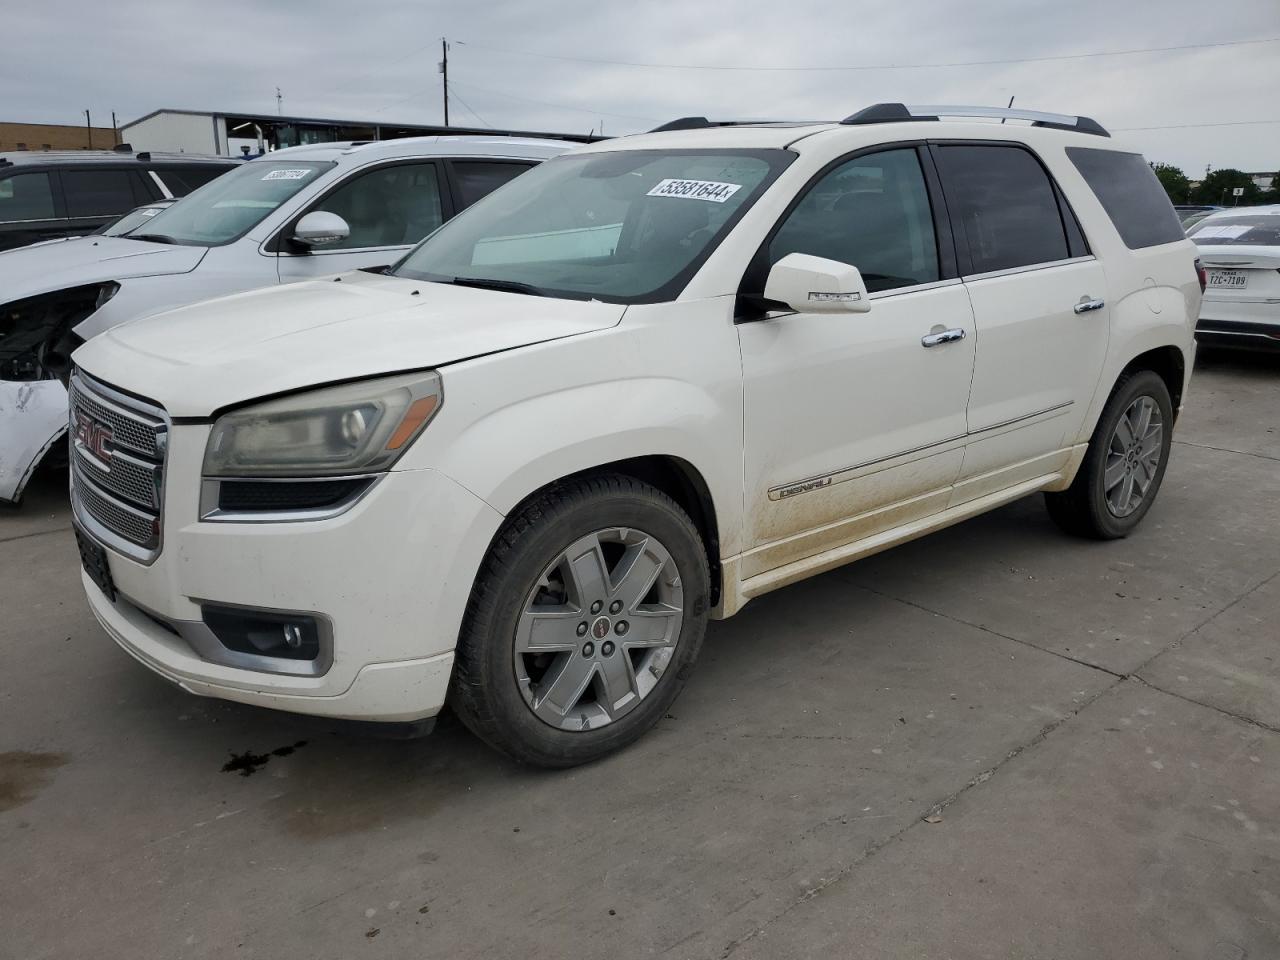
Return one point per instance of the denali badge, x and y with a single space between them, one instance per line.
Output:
93 436
781 493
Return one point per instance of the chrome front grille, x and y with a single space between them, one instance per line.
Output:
118 446
133 479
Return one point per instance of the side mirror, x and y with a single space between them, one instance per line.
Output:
320 228
816 285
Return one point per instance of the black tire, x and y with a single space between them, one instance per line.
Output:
1082 509
485 692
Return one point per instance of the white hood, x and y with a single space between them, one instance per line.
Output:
198 359
43 268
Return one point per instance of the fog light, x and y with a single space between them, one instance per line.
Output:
289 636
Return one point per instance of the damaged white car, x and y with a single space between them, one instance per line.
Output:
296 214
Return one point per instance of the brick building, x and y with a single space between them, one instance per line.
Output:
54 136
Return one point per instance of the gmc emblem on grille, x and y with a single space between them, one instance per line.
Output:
93 436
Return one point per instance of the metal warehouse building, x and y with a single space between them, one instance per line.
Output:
193 131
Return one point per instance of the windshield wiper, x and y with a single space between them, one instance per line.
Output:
153 237
484 283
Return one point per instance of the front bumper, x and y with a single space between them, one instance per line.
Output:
391 692
392 577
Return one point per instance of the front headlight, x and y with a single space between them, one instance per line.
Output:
354 428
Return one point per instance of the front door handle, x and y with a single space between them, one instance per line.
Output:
946 336
1086 304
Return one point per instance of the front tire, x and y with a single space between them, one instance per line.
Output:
1125 463
584 622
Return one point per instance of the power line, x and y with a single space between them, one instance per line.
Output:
454 89
1184 126
545 103
882 66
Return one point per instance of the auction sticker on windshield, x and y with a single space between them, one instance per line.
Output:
708 190
288 174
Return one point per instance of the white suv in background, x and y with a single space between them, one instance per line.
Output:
292 215
626 392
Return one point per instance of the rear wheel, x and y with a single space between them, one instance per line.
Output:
1125 463
584 622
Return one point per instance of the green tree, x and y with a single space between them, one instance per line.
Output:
1273 195
1174 181
1217 187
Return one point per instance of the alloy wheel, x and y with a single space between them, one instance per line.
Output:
1133 456
599 629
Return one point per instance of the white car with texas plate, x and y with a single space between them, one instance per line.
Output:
631 390
1240 253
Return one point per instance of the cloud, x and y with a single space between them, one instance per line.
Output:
377 61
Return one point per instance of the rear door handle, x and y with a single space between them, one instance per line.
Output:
946 336
1086 304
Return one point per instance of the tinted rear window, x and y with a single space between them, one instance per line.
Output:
1005 205
1128 190
99 193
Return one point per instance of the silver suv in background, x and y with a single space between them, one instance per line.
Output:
294 214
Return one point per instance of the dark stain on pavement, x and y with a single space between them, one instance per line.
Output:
248 763
24 774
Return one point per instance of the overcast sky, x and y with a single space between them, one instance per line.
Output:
376 60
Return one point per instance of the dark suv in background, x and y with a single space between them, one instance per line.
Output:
48 195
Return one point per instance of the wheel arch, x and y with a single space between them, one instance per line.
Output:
1169 363
677 478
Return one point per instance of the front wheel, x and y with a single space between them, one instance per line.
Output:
583 623
1124 465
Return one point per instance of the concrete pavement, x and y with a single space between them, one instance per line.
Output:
1093 728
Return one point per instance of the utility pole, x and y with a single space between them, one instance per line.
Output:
88 129
444 72
115 130
279 103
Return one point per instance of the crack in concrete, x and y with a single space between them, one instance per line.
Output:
1261 724
877 845
38 533
1243 453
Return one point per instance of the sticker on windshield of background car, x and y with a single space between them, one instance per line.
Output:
695 190
1226 231
287 174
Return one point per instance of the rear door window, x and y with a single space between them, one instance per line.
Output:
474 179
100 193
26 196
1129 191
1004 206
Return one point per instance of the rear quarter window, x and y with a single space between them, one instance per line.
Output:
1128 190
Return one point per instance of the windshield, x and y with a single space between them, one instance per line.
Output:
1259 229
625 227
227 208
130 221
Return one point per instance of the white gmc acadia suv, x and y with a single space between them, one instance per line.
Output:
629 391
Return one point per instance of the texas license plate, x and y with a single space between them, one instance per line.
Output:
1236 279
94 560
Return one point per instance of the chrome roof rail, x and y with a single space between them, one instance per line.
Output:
902 113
